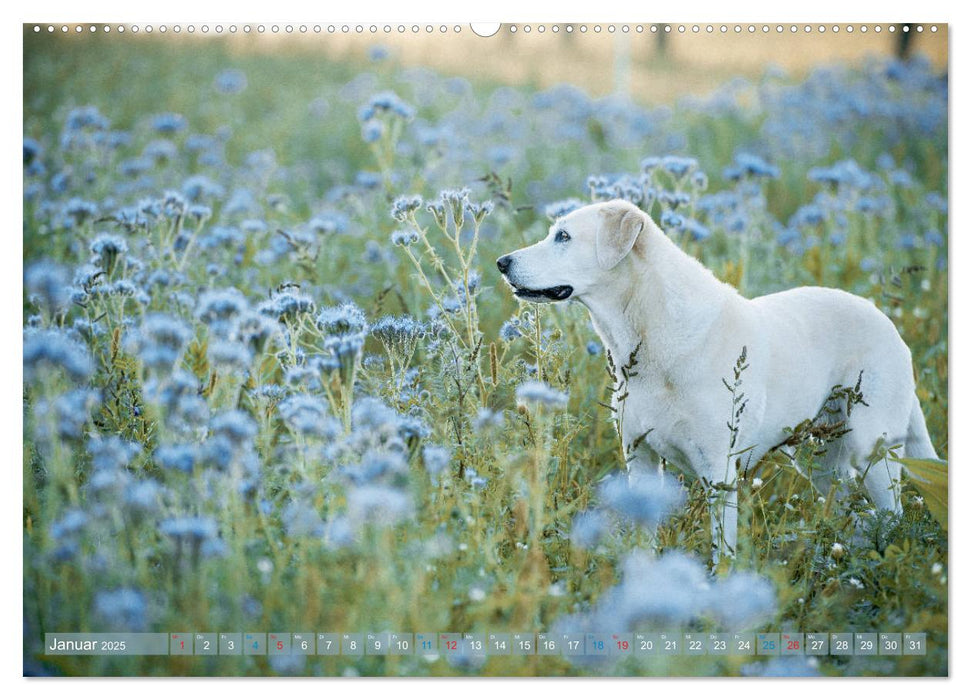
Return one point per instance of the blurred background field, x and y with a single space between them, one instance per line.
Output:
273 381
655 67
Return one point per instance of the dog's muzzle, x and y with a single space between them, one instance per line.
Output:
559 293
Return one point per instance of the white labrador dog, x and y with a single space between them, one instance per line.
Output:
643 291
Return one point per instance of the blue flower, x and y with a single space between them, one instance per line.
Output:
537 393
161 150
678 166
191 528
71 410
486 419
510 330
218 308
234 424
605 187
645 498
110 453
378 506
49 350
181 458
309 415
386 103
808 215
230 82
122 609
696 230
48 284
845 173
589 529
199 187
142 498
372 130
107 250
71 524
159 341
86 117
404 237
399 333
301 519
168 123
669 219
230 356
32 151
435 458
749 165
559 209
378 53
343 319
80 210
405 205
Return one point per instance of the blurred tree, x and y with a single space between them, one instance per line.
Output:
905 36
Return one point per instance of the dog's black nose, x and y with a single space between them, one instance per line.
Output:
503 263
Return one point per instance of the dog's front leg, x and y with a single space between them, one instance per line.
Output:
642 460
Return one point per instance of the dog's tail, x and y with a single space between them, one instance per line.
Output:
918 444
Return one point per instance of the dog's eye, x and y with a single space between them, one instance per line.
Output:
561 237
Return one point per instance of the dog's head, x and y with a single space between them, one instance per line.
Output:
579 254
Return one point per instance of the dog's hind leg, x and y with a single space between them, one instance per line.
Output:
918 445
867 446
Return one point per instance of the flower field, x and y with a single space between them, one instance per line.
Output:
274 381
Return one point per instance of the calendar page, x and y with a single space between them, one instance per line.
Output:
521 349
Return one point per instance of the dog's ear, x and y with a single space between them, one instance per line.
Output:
620 225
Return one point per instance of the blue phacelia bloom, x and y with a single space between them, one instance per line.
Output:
200 187
678 166
309 415
646 498
537 393
378 53
230 82
48 284
343 319
561 208
404 237
159 341
168 123
405 205
386 103
52 350
190 528
669 219
372 130
32 151
122 609
749 165
181 458
235 424
111 453
435 458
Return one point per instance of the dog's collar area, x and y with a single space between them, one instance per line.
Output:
559 293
